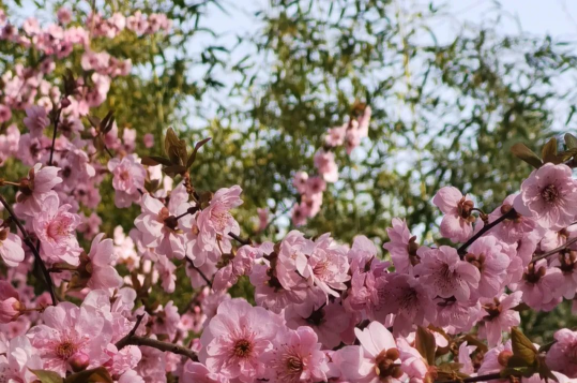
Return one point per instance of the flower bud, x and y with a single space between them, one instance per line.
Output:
79 361
9 310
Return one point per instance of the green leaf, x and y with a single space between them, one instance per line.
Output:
524 153
46 376
192 157
570 141
155 160
524 352
549 151
174 170
97 375
425 344
175 148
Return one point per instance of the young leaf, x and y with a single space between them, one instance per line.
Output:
46 376
524 352
155 160
425 344
549 151
193 154
97 375
570 141
175 148
524 153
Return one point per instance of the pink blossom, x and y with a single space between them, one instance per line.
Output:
500 316
459 315
128 180
55 228
457 219
300 181
9 303
11 250
33 190
64 15
412 363
5 113
166 321
402 246
240 264
541 286
296 357
445 275
326 165
102 256
566 261
36 120
328 266
487 256
196 372
270 293
407 298
67 331
148 140
236 338
18 361
336 136
263 215
300 212
549 196
562 356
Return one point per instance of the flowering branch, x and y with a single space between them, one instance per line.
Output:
56 122
162 346
208 281
556 250
124 341
240 240
33 248
463 249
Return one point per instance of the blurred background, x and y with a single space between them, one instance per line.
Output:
452 85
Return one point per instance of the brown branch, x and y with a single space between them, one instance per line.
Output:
463 249
34 249
162 346
242 241
56 122
208 281
555 250
124 341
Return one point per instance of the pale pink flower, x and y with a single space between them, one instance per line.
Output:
128 180
102 257
326 165
300 181
402 246
378 360
464 358
549 196
486 255
315 185
562 356
460 315
296 357
496 359
148 140
328 266
64 15
406 298
365 267
11 250
5 113
500 316
541 286
270 293
18 360
152 365
166 320
55 228
33 190
239 265
457 219
567 263
67 331
9 303
236 338
198 373
556 238
131 376
36 120
336 136
300 212
445 274
412 363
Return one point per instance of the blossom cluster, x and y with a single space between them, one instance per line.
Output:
321 310
311 189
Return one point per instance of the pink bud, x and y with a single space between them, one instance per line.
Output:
148 140
9 310
79 361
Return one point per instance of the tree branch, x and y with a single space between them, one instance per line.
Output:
56 122
208 281
556 250
162 346
34 250
239 239
463 249
124 341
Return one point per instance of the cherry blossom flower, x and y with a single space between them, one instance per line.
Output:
236 338
326 166
36 120
296 357
562 356
5 113
102 256
9 303
457 219
541 286
445 275
11 250
19 359
128 180
500 316
33 190
402 246
197 372
549 196
487 256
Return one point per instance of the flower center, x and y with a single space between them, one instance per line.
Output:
242 348
124 175
477 261
56 229
385 366
66 349
464 208
550 193
294 364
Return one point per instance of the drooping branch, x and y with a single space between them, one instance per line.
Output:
463 249
33 248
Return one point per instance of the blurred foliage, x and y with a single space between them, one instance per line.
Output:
445 110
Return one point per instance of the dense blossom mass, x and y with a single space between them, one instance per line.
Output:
322 310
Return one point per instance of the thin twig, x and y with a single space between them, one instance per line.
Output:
162 346
242 241
208 281
556 250
124 341
463 249
56 122
34 250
